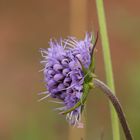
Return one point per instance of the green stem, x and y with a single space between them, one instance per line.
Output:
108 65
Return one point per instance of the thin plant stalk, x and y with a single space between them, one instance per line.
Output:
114 100
108 64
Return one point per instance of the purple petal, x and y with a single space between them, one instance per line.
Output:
51 83
61 86
51 72
57 67
58 77
65 71
78 95
54 91
72 64
79 57
63 95
65 62
79 87
67 81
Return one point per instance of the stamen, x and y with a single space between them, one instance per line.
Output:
41 70
67 117
66 43
70 115
71 41
67 87
76 120
56 102
61 42
43 52
44 61
60 108
44 97
45 92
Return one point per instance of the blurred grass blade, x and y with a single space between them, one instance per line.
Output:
108 65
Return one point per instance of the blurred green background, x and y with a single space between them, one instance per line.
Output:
26 26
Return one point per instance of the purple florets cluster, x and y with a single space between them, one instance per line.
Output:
63 72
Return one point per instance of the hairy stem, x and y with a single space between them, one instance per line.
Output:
114 100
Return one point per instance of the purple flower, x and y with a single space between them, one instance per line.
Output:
64 75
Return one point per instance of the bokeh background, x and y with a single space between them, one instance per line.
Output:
26 26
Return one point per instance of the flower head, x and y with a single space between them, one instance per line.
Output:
66 69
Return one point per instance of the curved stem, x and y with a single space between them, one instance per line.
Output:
117 107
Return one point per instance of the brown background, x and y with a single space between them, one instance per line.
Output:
26 26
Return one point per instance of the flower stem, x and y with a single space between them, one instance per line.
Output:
108 65
117 106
